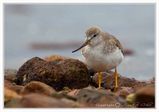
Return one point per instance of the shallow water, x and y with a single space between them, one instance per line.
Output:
132 24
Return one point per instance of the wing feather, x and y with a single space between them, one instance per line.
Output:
116 42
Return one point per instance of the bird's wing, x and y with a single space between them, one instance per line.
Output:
116 42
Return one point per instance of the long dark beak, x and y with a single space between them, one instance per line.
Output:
83 45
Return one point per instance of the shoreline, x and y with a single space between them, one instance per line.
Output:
64 82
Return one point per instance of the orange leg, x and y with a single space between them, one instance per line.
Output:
99 79
116 79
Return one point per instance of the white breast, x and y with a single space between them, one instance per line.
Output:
99 61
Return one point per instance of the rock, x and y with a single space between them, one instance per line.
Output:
67 73
151 81
33 69
62 95
96 98
76 74
73 92
10 94
35 100
13 103
12 86
9 78
72 103
145 97
10 75
124 92
91 71
131 99
108 81
37 87
54 58
42 101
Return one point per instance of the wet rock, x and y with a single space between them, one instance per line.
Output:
67 73
10 94
108 81
37 87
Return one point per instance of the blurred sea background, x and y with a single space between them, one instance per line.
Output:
63 27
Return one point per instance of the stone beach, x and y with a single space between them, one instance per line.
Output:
63 82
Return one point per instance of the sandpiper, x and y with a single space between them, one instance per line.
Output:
103 52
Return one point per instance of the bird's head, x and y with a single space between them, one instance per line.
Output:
91 33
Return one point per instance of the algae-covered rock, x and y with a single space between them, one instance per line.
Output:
75 73
70 73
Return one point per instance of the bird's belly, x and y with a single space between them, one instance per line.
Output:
99 61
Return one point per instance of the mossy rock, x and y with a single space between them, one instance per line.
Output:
70 73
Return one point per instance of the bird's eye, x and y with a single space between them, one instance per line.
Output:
94 35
